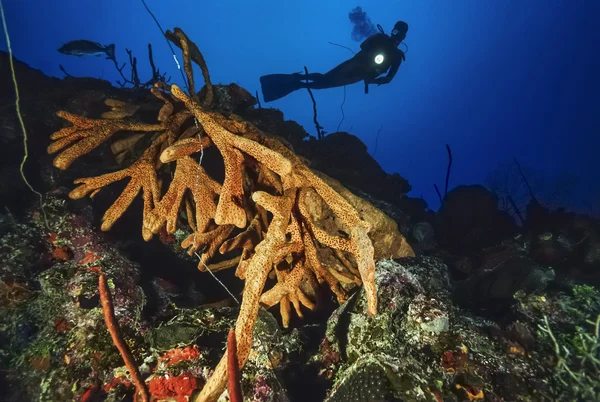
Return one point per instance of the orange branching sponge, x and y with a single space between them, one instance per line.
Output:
113 328
192 53
288 290
295 226
234 377
283 239
143 177
119 109
87 134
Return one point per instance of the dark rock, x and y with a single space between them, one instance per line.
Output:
494 289
416 208
344 157
424 236
272 121
470 220
230 98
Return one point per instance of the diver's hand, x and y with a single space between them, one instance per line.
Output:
381 80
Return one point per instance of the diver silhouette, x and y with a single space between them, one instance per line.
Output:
378 54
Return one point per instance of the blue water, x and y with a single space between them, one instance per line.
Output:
493 79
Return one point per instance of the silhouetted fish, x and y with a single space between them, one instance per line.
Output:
87 48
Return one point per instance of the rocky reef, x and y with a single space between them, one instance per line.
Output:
338 285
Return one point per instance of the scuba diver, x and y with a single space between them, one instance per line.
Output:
377 54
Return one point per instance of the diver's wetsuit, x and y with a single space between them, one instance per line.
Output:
361 67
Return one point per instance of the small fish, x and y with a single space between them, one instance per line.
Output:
87 48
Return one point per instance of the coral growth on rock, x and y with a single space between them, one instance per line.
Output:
421 347
271 215
486 310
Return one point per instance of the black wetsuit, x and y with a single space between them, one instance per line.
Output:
362 67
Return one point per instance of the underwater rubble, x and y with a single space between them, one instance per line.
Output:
469 305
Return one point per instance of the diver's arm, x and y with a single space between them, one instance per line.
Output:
392 71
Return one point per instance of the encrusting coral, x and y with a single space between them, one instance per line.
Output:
317 232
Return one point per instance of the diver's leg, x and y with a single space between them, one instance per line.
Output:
345 73
312 76
275 86
316 81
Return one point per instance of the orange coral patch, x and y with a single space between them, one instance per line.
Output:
179 387
89 258
62 253
177 355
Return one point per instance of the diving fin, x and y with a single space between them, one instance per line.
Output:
276 86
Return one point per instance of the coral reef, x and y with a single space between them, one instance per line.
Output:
486 310
54 341
261 177
52 332
434 351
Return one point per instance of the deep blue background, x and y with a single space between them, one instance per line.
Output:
494 79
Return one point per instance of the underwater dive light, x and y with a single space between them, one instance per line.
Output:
379 59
